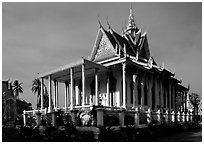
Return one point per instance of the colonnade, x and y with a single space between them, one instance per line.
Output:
149 90
70 95
154 91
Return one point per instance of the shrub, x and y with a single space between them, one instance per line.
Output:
111 120
129 120
107 134
84 136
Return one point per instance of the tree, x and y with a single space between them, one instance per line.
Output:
195 100
17 88
36 89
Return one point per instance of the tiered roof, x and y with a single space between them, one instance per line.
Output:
131 43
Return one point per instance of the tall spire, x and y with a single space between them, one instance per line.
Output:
131 21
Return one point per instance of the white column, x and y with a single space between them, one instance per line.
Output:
173 100
142 91
166 97
57 99
124 84
24 117
156 92
69 94
170 95
134 91
161 93
150 92
42 82
72 87
54 93
66 94
77 95
96 86
50 94
83 85
108 89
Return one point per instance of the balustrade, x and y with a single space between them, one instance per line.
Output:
138 116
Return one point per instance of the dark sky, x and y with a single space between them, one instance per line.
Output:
38 37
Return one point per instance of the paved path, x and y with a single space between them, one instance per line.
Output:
190 136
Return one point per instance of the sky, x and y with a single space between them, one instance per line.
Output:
38 37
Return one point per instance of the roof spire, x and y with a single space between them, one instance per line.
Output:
131 21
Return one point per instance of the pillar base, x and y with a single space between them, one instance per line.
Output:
121 118
136 118
49 110
74 116
100 120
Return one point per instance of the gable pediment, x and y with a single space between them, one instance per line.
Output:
103 48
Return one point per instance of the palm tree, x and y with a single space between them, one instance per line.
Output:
36 89
17 88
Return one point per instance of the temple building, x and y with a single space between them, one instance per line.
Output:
119 73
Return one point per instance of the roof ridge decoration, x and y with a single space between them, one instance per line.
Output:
150 62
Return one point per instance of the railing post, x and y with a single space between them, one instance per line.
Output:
173 116
149 116
187 116
183 117
158 115
166 116
24 117
136 117
190 116
100 112
178 116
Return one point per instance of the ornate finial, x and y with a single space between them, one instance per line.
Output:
108 23
99 22
188 86
162 67
122 29
131 21
150 62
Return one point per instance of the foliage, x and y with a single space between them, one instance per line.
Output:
142 118
107 134
195 100
129 120
17 88
36 89
84 136
111 120
131 133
